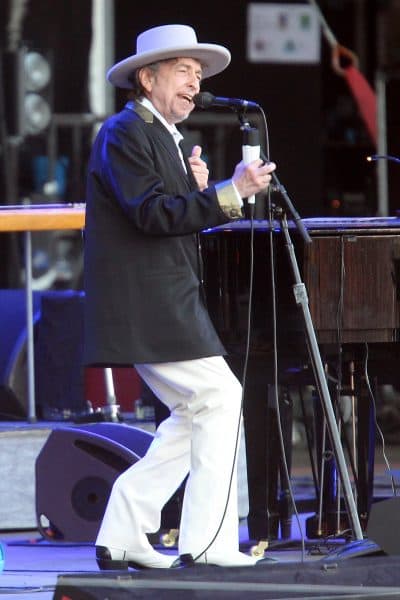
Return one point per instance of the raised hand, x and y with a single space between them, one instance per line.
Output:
199 168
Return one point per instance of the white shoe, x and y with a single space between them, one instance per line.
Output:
116 559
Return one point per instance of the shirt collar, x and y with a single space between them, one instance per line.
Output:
171 128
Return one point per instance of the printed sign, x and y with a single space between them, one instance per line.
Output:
283 33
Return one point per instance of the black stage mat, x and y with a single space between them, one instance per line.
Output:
364 577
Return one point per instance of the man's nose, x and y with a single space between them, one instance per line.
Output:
194 82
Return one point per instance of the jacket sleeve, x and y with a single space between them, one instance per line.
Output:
228 199
136 166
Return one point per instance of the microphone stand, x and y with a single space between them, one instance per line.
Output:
301 298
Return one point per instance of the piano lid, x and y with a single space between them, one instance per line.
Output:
319 225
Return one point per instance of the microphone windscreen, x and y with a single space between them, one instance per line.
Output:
203 100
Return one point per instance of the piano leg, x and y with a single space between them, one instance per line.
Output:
325 521
365 450
285 502
269 502
328 521
262 466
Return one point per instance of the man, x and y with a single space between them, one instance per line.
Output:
145 305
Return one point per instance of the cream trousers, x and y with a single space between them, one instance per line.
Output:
200 438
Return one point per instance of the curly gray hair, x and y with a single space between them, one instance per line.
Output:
137 90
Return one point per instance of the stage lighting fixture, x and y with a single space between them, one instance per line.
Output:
37 76
27 85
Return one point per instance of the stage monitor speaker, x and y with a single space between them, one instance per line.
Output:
384 525
75 471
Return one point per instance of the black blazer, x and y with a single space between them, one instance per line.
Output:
142 283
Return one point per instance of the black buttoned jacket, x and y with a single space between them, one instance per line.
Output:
143 297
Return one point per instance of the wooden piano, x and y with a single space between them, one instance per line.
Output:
351 271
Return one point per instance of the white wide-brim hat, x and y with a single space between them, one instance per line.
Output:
169 41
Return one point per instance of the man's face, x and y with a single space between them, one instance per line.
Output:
172 87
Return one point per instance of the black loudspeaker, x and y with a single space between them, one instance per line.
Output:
384 525
58 355
75 471
58 341
13 352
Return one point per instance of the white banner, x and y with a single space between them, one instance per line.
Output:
283 33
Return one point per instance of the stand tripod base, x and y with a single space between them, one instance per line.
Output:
354 549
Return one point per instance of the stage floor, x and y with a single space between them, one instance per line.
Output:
39 568
46 570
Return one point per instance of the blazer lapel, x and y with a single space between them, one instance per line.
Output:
168 143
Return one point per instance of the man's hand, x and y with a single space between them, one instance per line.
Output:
253 177
199 168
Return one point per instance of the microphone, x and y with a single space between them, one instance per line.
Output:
384 157
206 100
250 150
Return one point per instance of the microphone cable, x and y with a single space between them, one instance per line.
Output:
378 428
243 377
190 559
275 346
243 381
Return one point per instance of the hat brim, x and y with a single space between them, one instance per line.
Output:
212 57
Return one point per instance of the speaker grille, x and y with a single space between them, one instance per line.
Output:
89 498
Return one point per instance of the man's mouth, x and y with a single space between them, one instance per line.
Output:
187 97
